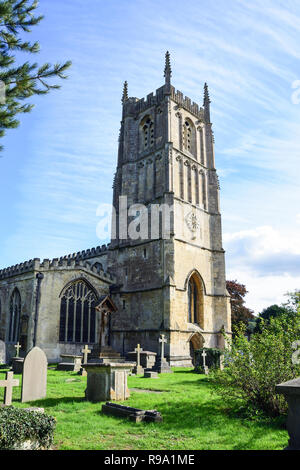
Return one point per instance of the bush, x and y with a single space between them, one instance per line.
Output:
255 367
18 425
212 359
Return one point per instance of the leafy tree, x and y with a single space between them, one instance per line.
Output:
293 302
288 308
255 367
239 312
21 81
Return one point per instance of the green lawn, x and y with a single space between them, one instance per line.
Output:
193 418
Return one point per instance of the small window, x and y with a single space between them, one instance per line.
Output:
145 253
124 304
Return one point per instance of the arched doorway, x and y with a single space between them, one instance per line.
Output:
195 292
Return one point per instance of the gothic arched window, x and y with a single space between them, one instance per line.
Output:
15 313
189 137
147 130
195 300
77 313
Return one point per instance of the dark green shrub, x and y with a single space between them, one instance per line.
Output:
18 425
212 359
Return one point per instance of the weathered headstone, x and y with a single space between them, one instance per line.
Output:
161 365
34 380
107 381
2 352
150 374
134 414
205 368
85 352
147 358
291 392
18 347
138 369
8 384
70 362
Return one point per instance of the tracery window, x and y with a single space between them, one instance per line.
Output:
15 313
77 313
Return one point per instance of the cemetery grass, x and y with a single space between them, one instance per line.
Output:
193 417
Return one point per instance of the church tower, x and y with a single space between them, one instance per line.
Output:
166 248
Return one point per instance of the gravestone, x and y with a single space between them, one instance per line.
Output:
134 414
8 384
205 368
147 358
85 352
2 352
161 365
138 369
150 374
70 362
291 392
17 361
34 380
18 347
107 381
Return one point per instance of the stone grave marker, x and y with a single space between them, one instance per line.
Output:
70 362
2 352
134 414
205 368
85 352
138 369
162 366
8 384
291 392
34 380
18 347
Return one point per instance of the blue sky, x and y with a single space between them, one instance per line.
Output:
57 167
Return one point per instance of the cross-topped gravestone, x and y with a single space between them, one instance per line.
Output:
138 351
85 352
8 384
161 364
162 340
205 368
138 369
18 347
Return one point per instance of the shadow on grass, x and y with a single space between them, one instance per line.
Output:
52 402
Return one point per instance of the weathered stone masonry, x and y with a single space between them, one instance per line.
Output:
172 284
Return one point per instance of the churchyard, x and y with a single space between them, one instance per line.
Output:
193 416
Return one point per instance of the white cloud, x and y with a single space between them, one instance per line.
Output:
266 260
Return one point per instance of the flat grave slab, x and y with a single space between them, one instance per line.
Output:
134 414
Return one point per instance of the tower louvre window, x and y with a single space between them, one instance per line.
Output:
189 137
147 127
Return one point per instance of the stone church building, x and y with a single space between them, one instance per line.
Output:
164 270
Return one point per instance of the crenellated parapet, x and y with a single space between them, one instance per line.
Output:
135 106
72 261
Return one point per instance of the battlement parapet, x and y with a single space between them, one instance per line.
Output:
134 106
72 261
